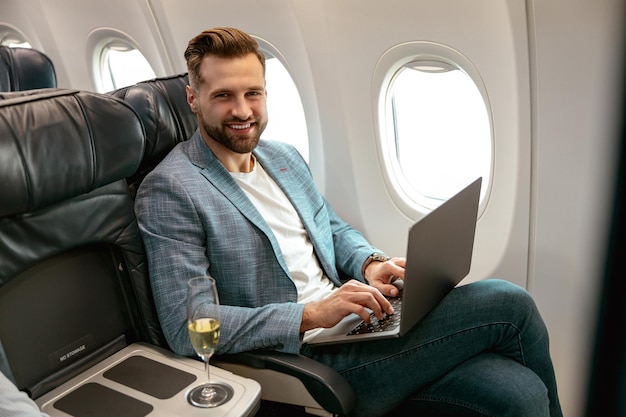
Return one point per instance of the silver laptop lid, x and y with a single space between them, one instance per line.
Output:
439 254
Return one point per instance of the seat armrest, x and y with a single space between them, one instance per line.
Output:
323 383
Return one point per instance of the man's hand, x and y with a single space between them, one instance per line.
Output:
352 297
381 274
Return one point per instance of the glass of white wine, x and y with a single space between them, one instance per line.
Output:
203 323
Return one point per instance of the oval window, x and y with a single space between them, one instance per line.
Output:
437 131
119 65
442 134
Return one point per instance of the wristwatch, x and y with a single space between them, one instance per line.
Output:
374 257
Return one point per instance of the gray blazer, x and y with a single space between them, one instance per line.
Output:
194 219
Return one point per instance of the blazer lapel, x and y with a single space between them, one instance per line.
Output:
213 170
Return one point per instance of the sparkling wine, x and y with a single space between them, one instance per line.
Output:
204 334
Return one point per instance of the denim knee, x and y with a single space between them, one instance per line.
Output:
488 385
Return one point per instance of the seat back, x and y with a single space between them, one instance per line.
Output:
25 69
71 259
161 104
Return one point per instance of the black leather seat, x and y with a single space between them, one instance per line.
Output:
71 259
25 69
161 104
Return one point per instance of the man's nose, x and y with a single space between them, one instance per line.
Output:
242 109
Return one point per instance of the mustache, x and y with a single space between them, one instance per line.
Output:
238 120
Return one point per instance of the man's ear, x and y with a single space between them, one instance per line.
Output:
191 98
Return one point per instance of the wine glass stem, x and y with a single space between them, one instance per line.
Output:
207 370
208 391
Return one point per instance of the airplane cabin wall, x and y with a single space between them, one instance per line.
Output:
578 69
550 70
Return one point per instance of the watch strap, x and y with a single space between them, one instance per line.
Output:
374 257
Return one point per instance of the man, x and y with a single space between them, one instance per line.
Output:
247 212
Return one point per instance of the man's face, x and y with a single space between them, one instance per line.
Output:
231 102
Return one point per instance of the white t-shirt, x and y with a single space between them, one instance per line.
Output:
296 247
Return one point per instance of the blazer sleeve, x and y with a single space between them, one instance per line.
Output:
173 225
351 248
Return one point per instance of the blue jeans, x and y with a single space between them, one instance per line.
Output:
483 351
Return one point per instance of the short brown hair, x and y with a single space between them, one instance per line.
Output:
223 42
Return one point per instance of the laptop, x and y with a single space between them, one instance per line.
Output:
439 256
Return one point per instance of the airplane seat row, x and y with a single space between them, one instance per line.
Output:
72 259
25 69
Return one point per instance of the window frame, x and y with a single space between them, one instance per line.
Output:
98 41
387 68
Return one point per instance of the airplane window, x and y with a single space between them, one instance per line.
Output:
121 65
286 114
11 38
440 133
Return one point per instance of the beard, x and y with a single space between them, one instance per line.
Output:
232 141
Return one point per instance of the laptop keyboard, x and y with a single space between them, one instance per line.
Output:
388 322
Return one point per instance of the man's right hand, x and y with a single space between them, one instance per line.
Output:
352 297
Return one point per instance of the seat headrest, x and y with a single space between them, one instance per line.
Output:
25 69
162 106
56 144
